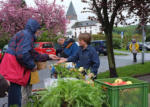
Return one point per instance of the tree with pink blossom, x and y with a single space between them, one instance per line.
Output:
15 13
52 16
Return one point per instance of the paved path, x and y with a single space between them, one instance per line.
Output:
121 61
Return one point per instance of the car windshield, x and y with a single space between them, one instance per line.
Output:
48 45
36 45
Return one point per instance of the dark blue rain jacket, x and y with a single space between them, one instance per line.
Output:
22 46
87 58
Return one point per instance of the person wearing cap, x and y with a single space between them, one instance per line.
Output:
19 61
134 48
4 86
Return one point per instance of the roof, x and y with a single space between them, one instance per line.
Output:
84 24
71 13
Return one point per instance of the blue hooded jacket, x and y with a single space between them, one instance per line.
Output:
22 45
87 58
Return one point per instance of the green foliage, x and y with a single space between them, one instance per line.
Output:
46 36
148 37
130 29
98 37
13 106
69 93
62 71
130 32
116 43
147 30
4 40
148 33
129 71
121 54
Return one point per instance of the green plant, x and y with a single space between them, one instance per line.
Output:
62 71
46 36
69 93
121 54
4 39
116 43
98 37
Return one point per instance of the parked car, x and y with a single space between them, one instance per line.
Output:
100 46
45 48
41 47
146 45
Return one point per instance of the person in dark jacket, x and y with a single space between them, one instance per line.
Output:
68 47
19 61
4 86
86 56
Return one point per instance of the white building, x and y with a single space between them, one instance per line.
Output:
92 27
75 27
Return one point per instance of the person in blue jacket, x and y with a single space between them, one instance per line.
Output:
21 46
68 47
86 56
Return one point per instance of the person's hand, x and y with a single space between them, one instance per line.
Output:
54 57
35 68
90 75
62 60
8 82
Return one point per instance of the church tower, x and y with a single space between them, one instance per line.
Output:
72 19
71 13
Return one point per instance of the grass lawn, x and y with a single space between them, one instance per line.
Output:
147 51
129 71
123 49
121 54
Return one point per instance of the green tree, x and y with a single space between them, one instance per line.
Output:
111 12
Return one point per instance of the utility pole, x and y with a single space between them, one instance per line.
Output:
143 42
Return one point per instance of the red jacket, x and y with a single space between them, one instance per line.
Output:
13 71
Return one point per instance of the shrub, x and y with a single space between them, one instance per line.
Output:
116 43
98 37
47 37
4 39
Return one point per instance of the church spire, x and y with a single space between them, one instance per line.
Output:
71 13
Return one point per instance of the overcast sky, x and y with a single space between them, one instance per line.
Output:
78 5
